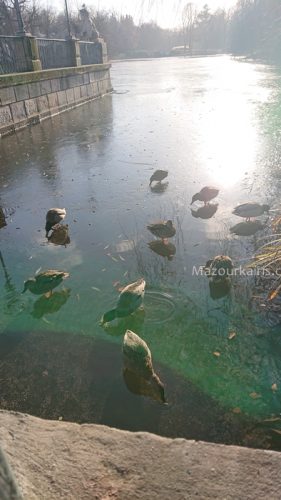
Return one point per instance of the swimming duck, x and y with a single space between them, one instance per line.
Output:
138 371
248 228
158 176
250 209
130 299
45 282
53 217
206 194
162 229
219 268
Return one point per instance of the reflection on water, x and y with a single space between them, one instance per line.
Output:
50 305
97 161
159 187
59 235
164 249
205 212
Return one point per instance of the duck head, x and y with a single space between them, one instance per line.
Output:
195 197
108 316
27 285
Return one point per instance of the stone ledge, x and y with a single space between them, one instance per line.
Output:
52 460
48 74
38 117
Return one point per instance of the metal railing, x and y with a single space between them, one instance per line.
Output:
54 53
13 57
90 52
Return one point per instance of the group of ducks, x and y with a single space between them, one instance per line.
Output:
138 370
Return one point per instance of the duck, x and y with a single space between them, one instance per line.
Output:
158 176
219 268
53 217
138 371
250 209
45 282
206 194
129 300
162 229
248 228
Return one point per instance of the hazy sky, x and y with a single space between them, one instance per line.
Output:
165 12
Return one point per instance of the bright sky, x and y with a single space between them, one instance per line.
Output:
165 12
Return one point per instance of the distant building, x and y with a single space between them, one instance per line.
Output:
180 50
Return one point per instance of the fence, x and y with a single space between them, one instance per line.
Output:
90 52
26 53
54 53
14 57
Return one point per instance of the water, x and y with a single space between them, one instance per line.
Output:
207 121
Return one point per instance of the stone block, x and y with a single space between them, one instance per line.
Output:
64 83
74 81
70 96
86 78
45 87
21 92
42 103
53 100
90 91
62 98
31 107
18 111
83 91
7 95
55 84
5 116
93 76
34 89
77 93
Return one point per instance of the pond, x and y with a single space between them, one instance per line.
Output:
208 121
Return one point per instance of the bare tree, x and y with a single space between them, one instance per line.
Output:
189 16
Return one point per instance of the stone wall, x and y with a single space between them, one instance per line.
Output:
28 98
52 460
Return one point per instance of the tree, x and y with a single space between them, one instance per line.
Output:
189 15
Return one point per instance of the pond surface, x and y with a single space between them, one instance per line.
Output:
208 121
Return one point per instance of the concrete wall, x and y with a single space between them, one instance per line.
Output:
28 98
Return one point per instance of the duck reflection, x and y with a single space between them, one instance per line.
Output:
138 373
219 270
219 289
49 305
163 249
133 322
3 222
159 187
205 212
248 228
59 235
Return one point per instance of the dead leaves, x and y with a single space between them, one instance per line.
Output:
231 335
255 395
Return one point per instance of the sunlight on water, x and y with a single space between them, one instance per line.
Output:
211 121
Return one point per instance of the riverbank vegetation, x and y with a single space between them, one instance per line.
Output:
252 28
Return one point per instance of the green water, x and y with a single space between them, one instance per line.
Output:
207 121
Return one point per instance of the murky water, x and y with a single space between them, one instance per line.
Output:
207 121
